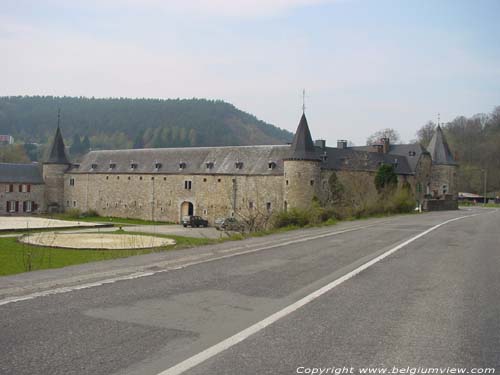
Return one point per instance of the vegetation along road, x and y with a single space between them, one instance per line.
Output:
405 291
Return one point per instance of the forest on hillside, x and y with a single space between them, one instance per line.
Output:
475 143
133 123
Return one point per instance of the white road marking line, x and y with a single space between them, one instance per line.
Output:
170 267
242 335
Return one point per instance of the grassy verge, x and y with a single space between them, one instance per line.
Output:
16 257
102 219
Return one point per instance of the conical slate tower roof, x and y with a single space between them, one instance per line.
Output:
58 150
439 149
302 146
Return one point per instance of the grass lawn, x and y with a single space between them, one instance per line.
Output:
16 257
103 219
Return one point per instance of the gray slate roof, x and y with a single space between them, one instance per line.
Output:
360 160
439 149
411 152
255 160
57 150
303 146
21 173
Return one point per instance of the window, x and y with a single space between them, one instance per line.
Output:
164 179
128 178
238 165
205 211
250 205
140 178
67 203
218 180
158 165
117 177
286 182
268 206
107 177
311 182
152 178
27 206
445 189
12 206
204 180
71 182
74 203
209 164
182 165
285 205
271 165
133 165
112 165
24 188
93 166
187 185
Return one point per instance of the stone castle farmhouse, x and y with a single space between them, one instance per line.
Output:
165 184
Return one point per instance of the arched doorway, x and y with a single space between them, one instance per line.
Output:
187 209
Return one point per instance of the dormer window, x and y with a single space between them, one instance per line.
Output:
93 166
182 165
209 164
412 153
133 165
112 165
324 156
76 166
158 165
271 165
238 165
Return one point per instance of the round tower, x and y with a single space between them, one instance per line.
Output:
53 170
302 170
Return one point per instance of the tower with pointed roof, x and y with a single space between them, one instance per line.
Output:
444 167
302 168
54 168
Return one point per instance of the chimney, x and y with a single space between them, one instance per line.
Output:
386 144
341 143
321 143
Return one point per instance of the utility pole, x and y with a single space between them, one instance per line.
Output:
485 191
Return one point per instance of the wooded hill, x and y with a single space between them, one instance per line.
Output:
127 123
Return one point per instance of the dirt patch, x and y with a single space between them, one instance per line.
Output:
108 241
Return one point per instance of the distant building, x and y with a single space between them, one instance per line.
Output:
6 139
167 184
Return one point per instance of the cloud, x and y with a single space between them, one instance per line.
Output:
211 8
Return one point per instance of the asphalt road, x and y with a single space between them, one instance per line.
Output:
435 302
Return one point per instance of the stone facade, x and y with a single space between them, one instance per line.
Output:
53 175
443 180
168 197
22 199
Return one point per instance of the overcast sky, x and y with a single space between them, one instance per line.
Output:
365 65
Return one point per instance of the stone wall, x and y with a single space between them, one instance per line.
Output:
302 181
36 195
443 180
53 176
160 197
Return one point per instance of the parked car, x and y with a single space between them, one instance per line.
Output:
230 224
194 221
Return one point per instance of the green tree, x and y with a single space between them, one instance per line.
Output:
386 179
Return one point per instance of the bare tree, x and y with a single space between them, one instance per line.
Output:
425 133
375 138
